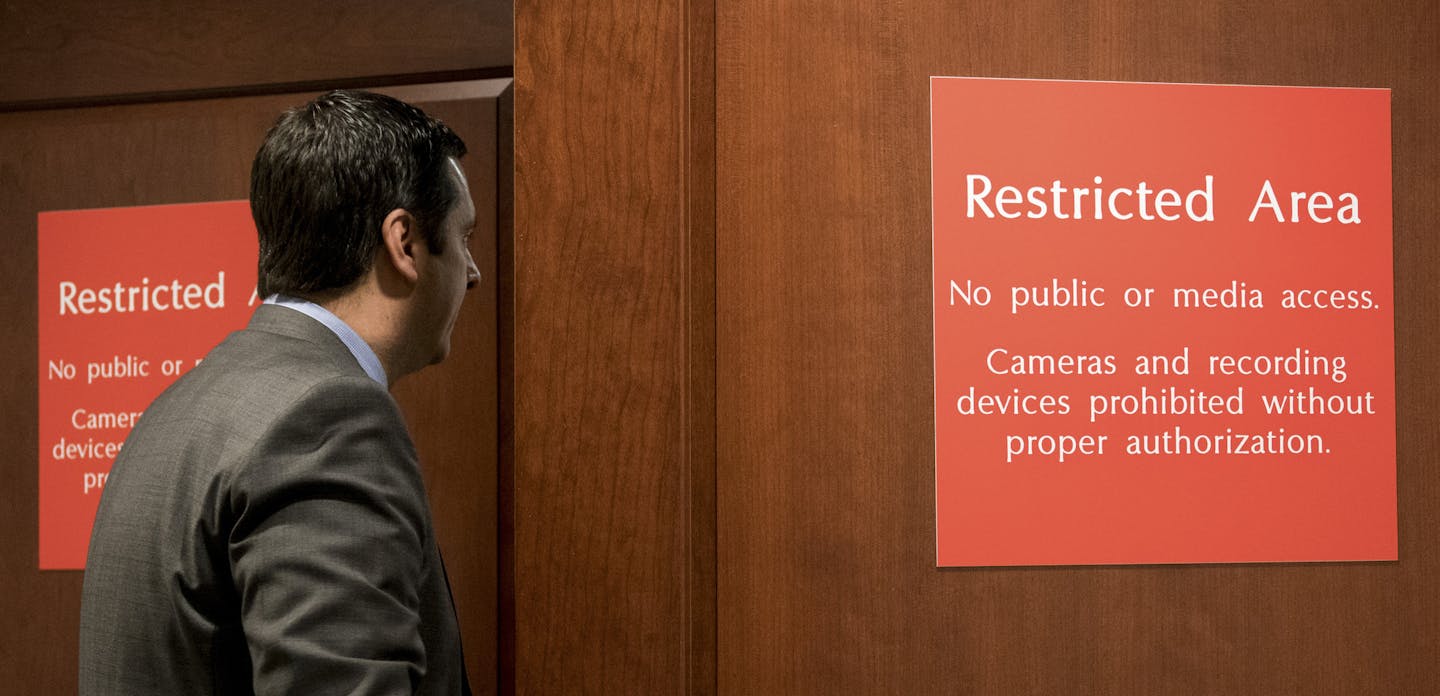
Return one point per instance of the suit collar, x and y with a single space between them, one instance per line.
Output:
290 323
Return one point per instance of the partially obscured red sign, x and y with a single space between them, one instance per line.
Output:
129 299
1163 323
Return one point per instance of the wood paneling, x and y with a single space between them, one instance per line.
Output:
700 418
70 52
826 577
613 362
201 151
505 387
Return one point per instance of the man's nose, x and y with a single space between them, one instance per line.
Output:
472 273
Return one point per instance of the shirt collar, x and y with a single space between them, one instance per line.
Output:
357 346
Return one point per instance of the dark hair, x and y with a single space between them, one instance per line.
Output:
327 175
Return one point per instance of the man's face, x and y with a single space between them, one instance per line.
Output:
445 277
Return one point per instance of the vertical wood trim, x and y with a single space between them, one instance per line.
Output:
614 348
700 416
505 389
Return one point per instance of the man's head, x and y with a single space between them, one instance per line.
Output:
328 175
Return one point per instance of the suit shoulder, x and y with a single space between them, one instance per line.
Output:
261 368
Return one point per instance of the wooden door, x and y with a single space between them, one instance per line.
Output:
201 151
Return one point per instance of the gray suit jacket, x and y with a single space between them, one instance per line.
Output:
266 530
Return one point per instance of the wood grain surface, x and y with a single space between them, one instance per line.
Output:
702 602
612 360
714 428
78 52
826 555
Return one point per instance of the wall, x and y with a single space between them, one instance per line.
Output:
723 445
825 473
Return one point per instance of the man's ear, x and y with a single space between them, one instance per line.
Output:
399 233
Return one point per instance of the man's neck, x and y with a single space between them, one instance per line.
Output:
377 320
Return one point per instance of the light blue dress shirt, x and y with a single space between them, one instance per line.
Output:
358 347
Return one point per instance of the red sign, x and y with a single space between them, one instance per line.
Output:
1163 323
130 298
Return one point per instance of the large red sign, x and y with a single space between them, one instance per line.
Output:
1163 323
129 299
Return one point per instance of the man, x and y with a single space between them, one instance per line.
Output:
265 528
